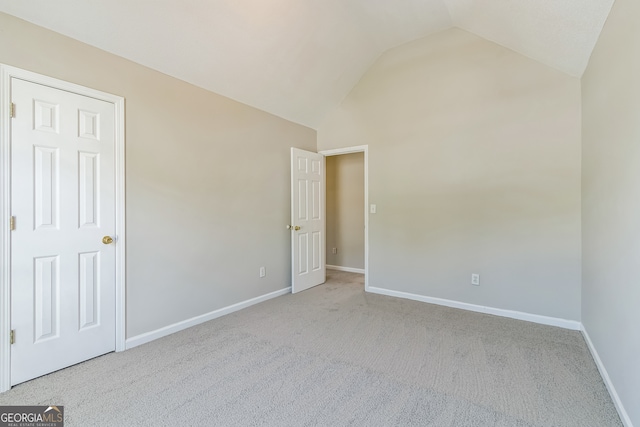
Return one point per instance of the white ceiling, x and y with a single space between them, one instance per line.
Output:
299 58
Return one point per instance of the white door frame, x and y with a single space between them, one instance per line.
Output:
359 149
6 73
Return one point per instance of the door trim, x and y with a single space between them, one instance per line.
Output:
359 149
6 73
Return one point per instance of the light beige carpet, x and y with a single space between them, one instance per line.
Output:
333 356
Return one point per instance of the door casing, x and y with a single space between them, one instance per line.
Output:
6 73
359 149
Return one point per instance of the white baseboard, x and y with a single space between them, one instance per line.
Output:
176 327
607 380
347 269
535 318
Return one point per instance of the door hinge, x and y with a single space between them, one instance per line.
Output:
12 223
12 337
12 110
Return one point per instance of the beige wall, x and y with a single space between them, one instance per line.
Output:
611 201
474 164
345 210
207 181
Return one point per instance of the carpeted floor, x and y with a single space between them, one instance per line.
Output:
333 356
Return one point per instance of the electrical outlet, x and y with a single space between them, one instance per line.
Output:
475 279
334 250
263 271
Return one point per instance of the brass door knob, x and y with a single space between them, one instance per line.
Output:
291 227
107 240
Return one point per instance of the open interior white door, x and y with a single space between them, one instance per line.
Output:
307 219
62 249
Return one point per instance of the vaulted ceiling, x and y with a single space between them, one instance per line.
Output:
299 58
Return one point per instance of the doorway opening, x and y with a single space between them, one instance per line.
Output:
347 194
